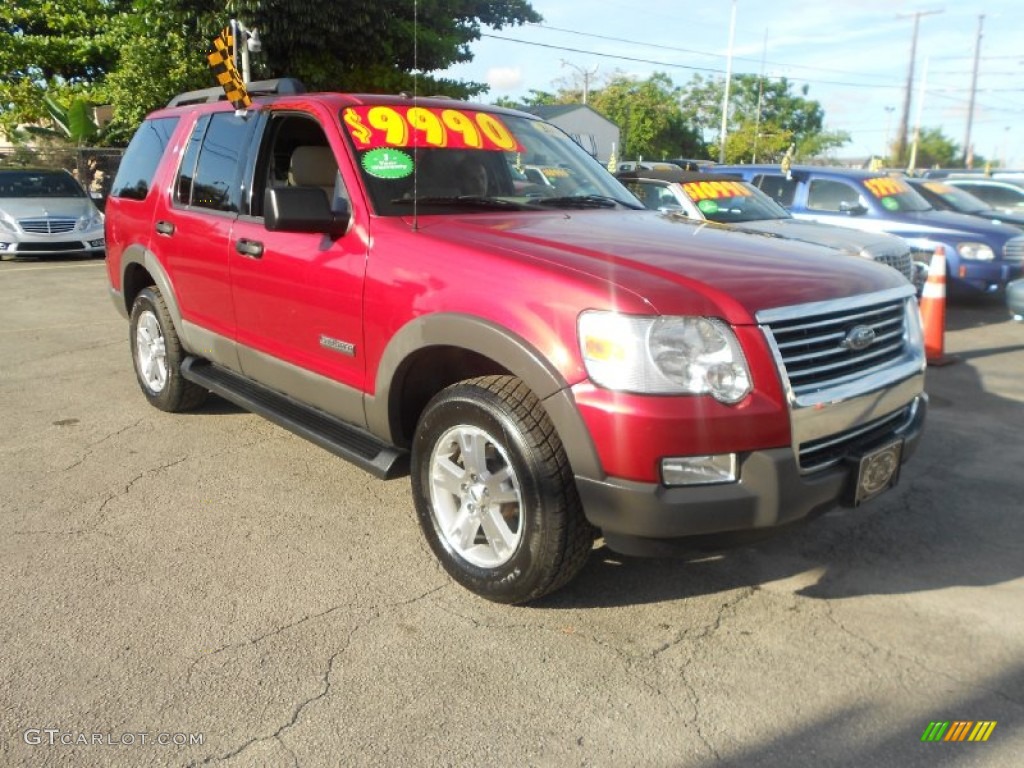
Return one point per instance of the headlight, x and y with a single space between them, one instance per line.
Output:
663 355
975 251
93 220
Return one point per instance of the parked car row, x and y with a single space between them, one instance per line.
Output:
981 256
731 201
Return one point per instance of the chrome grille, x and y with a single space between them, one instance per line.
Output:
1014 250
814 352
49 225
828 451
901 261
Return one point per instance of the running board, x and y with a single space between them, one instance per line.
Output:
351 443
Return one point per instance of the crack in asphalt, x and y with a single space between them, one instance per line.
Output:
706 632
630 662
251 641
90 446
378 612
134 480
296 713
889 654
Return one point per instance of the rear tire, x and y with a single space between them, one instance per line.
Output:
494 492
157 354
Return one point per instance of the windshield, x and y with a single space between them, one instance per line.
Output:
461 160
732 202
895 194
957 199
38 184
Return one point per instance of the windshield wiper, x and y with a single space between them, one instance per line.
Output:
581 201
475 201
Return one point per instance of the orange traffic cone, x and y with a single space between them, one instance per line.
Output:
933 310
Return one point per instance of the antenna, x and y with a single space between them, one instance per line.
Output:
415 96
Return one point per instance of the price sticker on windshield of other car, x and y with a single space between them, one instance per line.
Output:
886 186
714 190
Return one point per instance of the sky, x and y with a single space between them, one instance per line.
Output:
853 55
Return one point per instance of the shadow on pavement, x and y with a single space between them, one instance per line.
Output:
852 738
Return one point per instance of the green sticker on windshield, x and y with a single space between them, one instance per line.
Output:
387 163
708 207
890 203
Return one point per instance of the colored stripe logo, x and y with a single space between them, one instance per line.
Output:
958 730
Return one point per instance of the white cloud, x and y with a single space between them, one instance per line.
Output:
505 78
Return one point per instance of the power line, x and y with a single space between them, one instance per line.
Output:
675 49
672 65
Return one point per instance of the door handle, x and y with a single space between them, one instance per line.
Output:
164 228
252 249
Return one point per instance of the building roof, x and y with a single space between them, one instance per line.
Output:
553 111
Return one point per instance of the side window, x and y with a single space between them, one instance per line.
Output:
187 170
210 172
1000 197
778 188
295 153
138 166
828 195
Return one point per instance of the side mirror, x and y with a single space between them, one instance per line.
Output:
304 209
676 209
854 209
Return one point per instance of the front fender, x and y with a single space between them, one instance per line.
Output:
506 349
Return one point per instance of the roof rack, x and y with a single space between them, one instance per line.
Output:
278 87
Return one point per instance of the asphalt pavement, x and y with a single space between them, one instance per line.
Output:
209 589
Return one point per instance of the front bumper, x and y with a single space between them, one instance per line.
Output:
771 492
88 243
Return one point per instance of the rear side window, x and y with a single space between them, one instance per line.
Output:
210 173
997 197
778 188
138 166
829 195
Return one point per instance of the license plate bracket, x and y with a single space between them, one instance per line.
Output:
876 471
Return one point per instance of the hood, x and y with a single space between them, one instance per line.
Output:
851 241
40 207
675 264
1000 217
950 223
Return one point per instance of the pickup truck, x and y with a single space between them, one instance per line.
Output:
549 364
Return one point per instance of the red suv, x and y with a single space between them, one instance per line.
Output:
550 362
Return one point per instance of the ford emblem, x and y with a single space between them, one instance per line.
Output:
860 337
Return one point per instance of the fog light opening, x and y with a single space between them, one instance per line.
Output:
699 470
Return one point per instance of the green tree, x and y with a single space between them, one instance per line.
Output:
756 101
648 114
935 149
63 49
374 45
138 53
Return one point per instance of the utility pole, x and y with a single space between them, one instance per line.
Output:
900 149
585 74
968 154
728 81
760 95
911 166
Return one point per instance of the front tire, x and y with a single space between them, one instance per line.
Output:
494 492
157 354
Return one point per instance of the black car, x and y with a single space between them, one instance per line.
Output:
946 197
